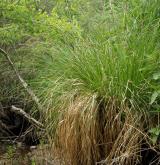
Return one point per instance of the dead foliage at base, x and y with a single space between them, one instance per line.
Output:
94 131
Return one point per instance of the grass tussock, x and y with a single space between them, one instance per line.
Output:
95 68
93 131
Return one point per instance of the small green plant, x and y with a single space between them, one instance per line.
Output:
10 151
154 134
156 87
33 162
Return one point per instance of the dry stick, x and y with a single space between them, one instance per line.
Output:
26 116
24 84
30 92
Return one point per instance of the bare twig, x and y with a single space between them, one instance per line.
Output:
24 84
27 116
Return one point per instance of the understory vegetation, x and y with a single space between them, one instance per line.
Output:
89 72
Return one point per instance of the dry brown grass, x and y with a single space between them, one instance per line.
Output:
93 131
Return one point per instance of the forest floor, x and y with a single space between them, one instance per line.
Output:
19 154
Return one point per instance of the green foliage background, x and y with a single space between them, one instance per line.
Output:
69 48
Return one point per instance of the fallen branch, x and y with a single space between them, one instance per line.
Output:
26 116
24 84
